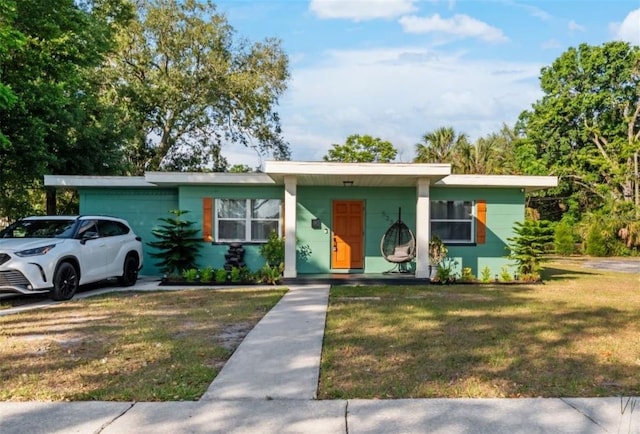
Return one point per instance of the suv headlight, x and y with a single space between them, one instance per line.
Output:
36 251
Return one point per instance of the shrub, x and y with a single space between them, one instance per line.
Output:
235 275
533 277
446 271
467 275
221 275
177 247
505 274
563 239
596 242
190 275
271 275
246 275
206 275
485 276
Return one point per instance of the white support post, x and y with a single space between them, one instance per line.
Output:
423 229
290 205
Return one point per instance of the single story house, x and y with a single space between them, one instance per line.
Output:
332 215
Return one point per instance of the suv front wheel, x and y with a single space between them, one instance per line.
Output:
65 282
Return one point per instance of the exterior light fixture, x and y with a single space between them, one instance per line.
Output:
347 183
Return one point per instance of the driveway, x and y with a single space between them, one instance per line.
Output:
627 265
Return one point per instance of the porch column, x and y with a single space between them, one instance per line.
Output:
290 202
423 229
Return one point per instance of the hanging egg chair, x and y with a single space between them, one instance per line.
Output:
398 245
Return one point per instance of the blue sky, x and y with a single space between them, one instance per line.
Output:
396 69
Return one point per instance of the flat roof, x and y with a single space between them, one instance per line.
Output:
315 173
206 178
356 174
95 181
529 183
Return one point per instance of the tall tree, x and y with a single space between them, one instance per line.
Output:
439 146
56 124
188 88
491 154
10 39
586 127
362 149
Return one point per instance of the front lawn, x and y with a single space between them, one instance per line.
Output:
131 346
576 335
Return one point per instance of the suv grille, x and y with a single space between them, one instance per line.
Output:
13 278
4 258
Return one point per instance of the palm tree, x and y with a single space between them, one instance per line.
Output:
492 154
439 146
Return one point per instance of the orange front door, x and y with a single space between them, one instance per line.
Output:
347 242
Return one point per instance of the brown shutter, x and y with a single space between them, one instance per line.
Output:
481 221
207 218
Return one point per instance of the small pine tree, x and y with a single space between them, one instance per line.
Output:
563 239
177 246
527 247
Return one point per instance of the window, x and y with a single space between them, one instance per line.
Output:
246 219
110 228
453 220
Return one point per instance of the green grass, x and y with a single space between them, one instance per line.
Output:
576 335
126 346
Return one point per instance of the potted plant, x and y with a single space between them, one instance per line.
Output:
437 252
273 250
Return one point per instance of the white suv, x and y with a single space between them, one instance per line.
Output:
56 254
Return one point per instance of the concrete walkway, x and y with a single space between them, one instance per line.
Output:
270 382
279 359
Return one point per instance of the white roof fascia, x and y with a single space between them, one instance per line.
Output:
208 178
529 183
346 169
95 181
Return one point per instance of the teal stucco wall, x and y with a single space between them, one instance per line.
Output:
212 254
380 211
141 207
505 206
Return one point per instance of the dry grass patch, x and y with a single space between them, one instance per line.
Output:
126 346
576 335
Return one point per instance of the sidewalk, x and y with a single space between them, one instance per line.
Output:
269 386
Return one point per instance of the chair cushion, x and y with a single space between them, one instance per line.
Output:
401 251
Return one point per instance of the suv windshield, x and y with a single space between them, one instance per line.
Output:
54 228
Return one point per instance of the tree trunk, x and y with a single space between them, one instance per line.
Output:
51 201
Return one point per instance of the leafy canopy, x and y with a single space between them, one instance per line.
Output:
362 149
188 88
56 124
586 127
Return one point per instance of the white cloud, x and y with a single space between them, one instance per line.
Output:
398 94
535 11
629 29
361 10
459 25
551 44
573 26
